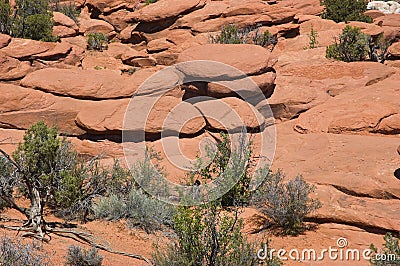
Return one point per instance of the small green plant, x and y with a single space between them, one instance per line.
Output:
148 2
352 45
13 252
286 204
389 254
97 41
77 256
346 10
232 34
313 39
207 235
265 40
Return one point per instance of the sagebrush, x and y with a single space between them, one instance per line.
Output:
208 235
13 252
232 34
78 256
97 41
285 204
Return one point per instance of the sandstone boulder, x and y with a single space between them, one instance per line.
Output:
103 117
4 40
275 16
304 7
22 107
230 114
12 69
62 20
78 83
251 59
306 79
25 48
158 45
265 83
117 19
374 109
98 60
357 164
108 116
95 25
60 50
212 9
349 209
390 20
110 6
394 50
163 9
63 32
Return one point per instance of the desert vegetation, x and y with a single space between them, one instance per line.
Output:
389 254
47 171
79 256
346 10
97 41
13 252
30 19
353 45
232 34
330 77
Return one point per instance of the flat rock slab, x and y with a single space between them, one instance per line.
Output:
87 83
367 110
250 59
24 48
12 69
163 9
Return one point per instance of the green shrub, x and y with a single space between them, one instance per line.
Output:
285 204
5 17
207 235
33 20
389 254
265 40
39 27
352 45
232 34
313 39
219 166
76 193
77 256
97 41
346 10
13 252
